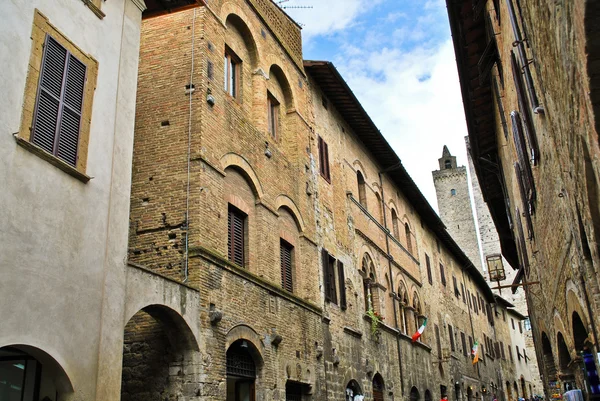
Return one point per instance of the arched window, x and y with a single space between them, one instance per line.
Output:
414 394
368 273
564 358
362 190
378 388
395 224
448 164
403 297
379 208
353 391
427 395
408 237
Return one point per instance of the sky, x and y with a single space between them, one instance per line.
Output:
397 57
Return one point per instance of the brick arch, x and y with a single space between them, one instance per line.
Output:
559 326
237 17
575 304
278 72
371 257
48 358
245 332
358 166
242 165
284 201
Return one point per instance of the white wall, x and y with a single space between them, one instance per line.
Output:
62 242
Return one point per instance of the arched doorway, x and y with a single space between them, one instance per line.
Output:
378 388
509 394
29 374
158 347
516 390
242 370
427 395
583 347
353 390
414 394
549 365
469 394
523 388
564 358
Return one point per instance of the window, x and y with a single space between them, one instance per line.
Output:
512 322
395 224
287 261
362 192
368 273
428 263
520 327
324 160
451 335
518 353
453 192
502 351
236 236
462 287
408 237
342 283
527 324
273 115
464 343
510 353
329 277
437 339
456 291
442 275
233 66
58 100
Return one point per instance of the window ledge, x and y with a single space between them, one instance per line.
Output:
95 9
55 161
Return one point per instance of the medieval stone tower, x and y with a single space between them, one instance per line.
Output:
454 203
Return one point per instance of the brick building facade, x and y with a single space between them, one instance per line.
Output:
529 80
260 181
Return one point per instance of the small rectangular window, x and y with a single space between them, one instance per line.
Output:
273 115
231 82
236 236
428 263
324 159
474 304
462 287
464 343
512 323
520 327
287 262
456 291
451 335
342 283
442 275
329 277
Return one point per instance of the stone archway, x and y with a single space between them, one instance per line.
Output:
353 390
24 368
159 357
549 365
378 388
242 367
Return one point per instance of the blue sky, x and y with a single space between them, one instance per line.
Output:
397 57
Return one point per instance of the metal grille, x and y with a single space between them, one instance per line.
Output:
240 363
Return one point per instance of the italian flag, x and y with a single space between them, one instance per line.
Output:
475 352
416 336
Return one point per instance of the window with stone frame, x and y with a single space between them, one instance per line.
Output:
328 263
273 115
442 275
59 92
369 284
362 189
324 159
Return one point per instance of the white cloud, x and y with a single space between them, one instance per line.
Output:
325 17
414 99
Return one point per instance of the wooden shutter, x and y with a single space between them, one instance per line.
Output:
521 149
456 292
527 120
286 266
451 335
326 161
498 352
331 274
342 283
462 287
521 247
57 116
523 191
464 343
326 278
429 277
236 236
442 274
437 339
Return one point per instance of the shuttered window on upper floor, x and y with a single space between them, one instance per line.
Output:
464 343
342 283
451 336
428 263
442 275
328 262
236 234
324 159
286 252
59 103
522 184
521 247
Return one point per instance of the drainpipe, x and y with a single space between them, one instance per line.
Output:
389 258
